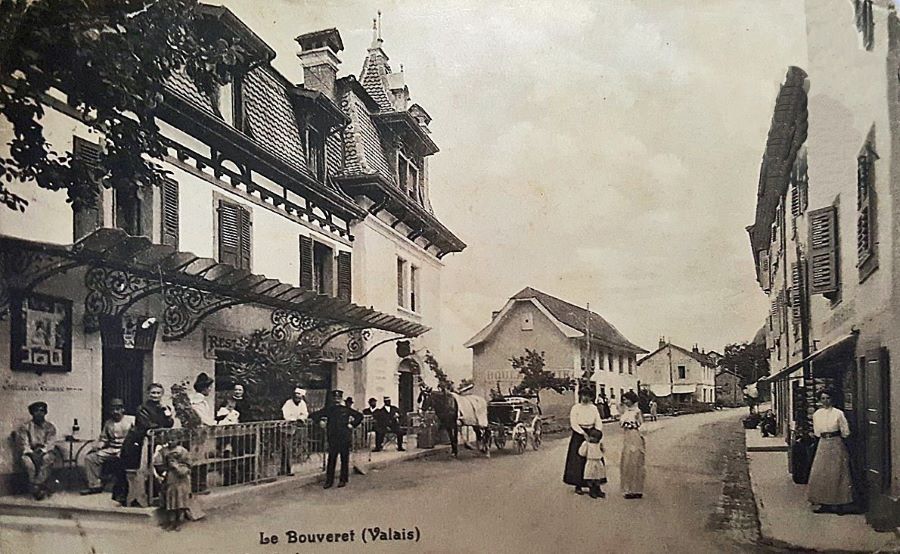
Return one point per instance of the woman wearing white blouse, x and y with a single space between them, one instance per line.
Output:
631 468
582 417
829 479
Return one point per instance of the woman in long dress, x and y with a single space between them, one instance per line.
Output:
582 417
632 464
829 479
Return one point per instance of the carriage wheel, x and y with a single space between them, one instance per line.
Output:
500 439
536 435
520 436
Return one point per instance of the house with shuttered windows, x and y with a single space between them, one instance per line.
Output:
285 209
824 254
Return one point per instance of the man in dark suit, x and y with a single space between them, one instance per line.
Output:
387 418
339 421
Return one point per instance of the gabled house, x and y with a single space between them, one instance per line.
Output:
576 342
729 388
682 374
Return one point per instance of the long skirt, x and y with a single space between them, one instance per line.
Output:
632 465
829 478
574 473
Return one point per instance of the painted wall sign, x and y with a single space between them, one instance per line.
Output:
41 333
216 341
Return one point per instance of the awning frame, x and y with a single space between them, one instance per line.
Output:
121 270
827 349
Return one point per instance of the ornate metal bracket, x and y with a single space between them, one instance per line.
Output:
25 270
187 307
111 292
373 347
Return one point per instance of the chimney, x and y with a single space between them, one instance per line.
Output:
396 84
318 56
662 341
494 315
696 348
421 116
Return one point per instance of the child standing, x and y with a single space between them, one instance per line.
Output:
595 467
176 486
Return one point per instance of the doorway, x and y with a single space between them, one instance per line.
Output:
123 377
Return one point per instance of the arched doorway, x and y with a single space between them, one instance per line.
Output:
409 372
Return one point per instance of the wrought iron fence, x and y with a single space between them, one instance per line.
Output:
245 453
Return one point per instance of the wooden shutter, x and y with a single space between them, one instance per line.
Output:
795 200
876 421
344 276
229 233
823 251
87 219
169 197
306 262
246 239
764 280
864 228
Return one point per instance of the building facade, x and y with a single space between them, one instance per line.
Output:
729 389
677 373
538 321
257 229
824 234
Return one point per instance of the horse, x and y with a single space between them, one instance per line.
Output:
454 411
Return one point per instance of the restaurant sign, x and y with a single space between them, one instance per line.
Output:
217 341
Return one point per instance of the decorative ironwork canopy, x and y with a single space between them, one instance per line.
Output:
122 269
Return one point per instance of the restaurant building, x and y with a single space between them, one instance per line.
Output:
256 230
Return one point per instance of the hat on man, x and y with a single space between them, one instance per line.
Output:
348 401
388 398
301 392
337 394
202 381
116 403
35 406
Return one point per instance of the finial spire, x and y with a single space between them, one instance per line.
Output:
376 31
379 24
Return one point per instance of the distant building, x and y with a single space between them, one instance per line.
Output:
729 391
686 375
535 320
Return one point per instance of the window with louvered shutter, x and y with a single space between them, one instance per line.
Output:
169 209
764 280
306 262
823 261
866 214
87 219
796 295
344 276
235 238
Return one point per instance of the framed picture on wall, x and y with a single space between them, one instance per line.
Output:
41 333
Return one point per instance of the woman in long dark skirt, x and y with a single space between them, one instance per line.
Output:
582 417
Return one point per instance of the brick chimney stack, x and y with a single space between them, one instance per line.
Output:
662 341
318 56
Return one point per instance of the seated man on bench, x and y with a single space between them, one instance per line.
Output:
35 448
106 457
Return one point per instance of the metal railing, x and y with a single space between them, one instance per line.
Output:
244 453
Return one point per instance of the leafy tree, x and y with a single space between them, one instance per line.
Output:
748 360
111 60
535 377
444 382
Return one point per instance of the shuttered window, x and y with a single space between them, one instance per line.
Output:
796 296
344 276
306 262
764 280
866 213
169 209
235 237
823 260
87 219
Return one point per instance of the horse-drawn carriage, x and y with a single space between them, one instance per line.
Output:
515 419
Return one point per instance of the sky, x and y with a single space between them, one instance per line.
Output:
603 152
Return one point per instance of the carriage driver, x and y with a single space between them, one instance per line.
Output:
387 418
339 421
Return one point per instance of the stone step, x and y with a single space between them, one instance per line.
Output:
56 525
25 507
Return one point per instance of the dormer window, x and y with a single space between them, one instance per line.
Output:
408 175
314 145
228 103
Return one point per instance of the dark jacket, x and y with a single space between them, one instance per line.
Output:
338 417
386 418
149 416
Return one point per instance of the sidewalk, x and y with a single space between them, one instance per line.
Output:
58 511
786 518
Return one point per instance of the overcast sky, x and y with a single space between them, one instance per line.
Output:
603 152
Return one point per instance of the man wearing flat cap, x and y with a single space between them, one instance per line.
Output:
387 418
106 456
34 443
339 422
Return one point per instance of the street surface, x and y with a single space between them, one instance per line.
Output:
509 503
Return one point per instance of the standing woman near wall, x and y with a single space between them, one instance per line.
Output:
829 478
583 417
633 449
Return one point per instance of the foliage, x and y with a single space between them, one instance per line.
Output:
269 369
748 360
181 402
444 382
111 60
535 377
